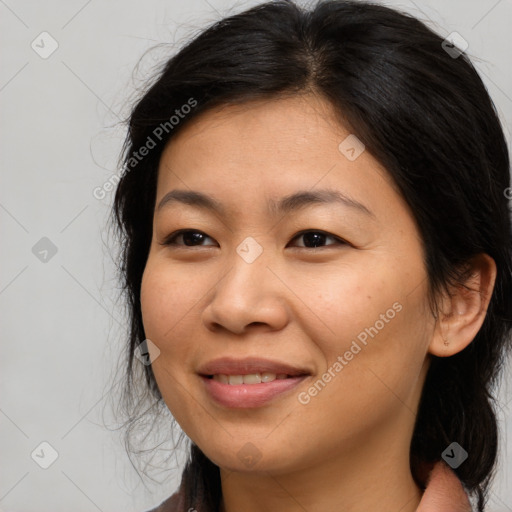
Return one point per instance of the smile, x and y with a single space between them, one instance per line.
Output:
236 394
252 378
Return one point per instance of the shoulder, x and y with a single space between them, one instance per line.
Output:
444 491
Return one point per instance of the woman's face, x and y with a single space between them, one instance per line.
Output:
345 305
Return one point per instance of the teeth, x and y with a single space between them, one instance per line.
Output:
236 379
253 378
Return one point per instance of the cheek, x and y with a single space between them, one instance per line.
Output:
167 307
167 304
167 296
375 324
349 304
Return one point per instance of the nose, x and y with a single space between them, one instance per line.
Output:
249 294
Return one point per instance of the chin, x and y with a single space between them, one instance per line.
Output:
251 458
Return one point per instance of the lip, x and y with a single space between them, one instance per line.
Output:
249 395
248 365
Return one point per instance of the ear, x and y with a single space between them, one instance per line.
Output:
462 311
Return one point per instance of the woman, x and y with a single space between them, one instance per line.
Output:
317 259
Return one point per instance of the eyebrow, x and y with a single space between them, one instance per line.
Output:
287 204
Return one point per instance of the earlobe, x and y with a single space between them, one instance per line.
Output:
462 311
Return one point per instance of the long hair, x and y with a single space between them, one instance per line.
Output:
422 112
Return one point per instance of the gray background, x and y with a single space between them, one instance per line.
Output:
61 135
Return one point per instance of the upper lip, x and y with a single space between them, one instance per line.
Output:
249 365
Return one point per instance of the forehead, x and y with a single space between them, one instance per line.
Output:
271 148
291 117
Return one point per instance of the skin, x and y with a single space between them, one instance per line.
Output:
348 448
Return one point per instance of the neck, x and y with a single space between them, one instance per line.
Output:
373 477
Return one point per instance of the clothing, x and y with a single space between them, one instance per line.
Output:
443 493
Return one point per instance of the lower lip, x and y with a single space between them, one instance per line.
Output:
249 395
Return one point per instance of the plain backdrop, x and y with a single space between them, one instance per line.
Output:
61 134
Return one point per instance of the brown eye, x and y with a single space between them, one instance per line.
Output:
194 238
314 239
187 237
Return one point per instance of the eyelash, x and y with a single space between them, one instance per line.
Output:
170 239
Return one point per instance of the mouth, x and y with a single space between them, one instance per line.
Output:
236 394
250 378
249 370
250 382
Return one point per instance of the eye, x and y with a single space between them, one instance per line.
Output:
314 238
193 238
190 238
